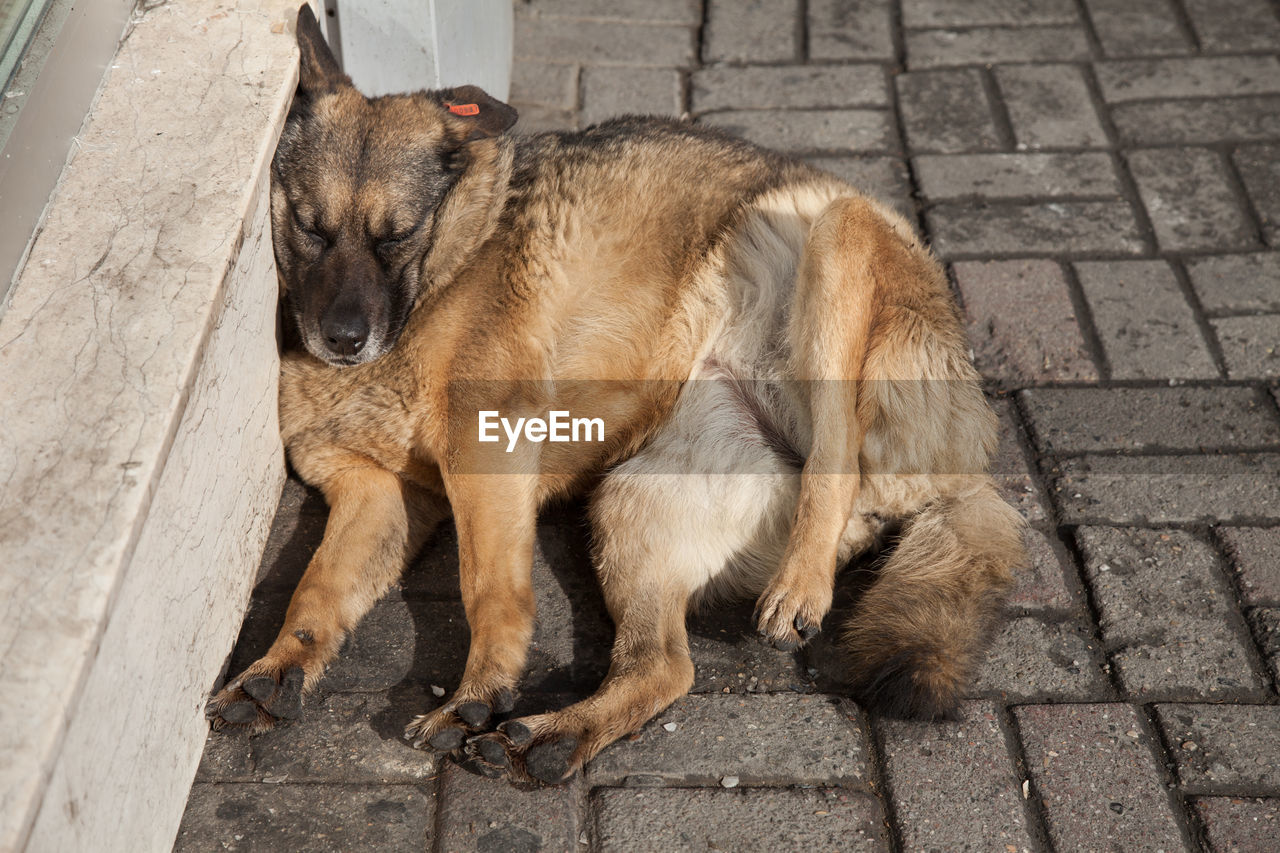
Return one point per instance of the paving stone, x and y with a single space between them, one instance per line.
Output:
571 40
1248 282
227 757
545 85
883 178
304 818
789 87
1255 554
1235 825
1250 345
1167 616
1197 121
657 11
1094 771
1084 420
1022 325
1050 107
751 31
1044 585
1259 169
1033 659
1234 24
850 29
744 819
295 534
1070 227
1220 747
923 14
535 119
997 176
1137 27
947 111
988 45
954 785
1146 326
1010 470
609 92
1168 489
1188 196
434 572
811 130
353 737
1265 624
479 815
1189 77
728 656
775 739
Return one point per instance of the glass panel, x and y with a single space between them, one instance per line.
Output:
18 20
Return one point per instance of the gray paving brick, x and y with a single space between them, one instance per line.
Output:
1234 24
947 111
1169 489
1043 585
1090 420
745 819
812 130
479 815
1137 27
1250 345
1167 616
1265 624
789 87
1050 107
659 11
988 45
1224 748
883 178
571 40
304 818
545 85
1189 77
535 119
1259 168
227 757
923 14
751 31
1022 325
296 531
1237 282
754 738
1147 328
1016 175
728 656
1237 825
609 92
1094 771
1010 470
1255 555
1069 227
954 785
434 572
1188 196
850 29
1034 659
1198 121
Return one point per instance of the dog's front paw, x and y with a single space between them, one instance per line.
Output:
533 749
788 617
445 728
259 698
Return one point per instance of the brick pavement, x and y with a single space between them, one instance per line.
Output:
1101 177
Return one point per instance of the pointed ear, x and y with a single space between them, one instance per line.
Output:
473 114
318 71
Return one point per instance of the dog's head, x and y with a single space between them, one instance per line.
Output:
355 186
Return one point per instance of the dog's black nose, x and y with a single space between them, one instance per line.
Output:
345 332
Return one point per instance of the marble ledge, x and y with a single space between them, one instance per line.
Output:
139 456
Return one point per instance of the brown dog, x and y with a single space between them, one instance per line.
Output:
766 364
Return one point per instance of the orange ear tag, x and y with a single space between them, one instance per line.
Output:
464 109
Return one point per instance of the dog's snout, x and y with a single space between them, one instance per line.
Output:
345 329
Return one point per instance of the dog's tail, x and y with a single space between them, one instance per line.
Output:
916 636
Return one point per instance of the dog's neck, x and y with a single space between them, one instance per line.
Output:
469 214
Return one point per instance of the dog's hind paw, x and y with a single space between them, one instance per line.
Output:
551 756
257 700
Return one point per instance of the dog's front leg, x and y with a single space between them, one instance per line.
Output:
496 516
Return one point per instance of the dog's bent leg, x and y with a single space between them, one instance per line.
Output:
376 524
496 516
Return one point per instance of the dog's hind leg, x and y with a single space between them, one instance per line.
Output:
377 522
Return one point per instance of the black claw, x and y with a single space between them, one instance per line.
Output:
260 687
786 644
517 732
287 703
474 714
807 632
446 740
491 751
549 762
239 713
488 770
505 701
